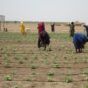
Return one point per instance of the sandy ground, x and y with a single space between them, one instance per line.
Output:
23 65
29 67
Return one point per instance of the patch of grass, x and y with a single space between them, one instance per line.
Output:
8 78
50 79
46 62
33 73
7 65
50 74
17 37
86 86
86 73
68 79
28 79
55 65
32 37
33 67
18 56
5 57
14 50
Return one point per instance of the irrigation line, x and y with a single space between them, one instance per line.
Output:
64 62
60 74
45 67
22 53
36 81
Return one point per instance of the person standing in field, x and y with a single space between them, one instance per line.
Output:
53 27
72 29
22 28
86 29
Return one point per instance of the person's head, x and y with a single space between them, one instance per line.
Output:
21 22
41 25
85 25
72 22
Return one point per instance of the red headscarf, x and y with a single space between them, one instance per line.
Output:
41 27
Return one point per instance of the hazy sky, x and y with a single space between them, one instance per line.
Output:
45 10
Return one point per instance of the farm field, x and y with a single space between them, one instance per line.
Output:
23 65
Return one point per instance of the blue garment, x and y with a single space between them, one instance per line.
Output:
79 40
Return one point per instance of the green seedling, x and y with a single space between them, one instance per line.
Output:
56 65
50 79
28 79
50 74
33 67
68 79
33 73
8 78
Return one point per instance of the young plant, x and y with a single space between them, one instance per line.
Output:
8 78
33 66
55 65
50 79
50 76
28 79
68 79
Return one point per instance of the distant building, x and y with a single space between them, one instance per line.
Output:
2 22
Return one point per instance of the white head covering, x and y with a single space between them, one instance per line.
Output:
21 22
